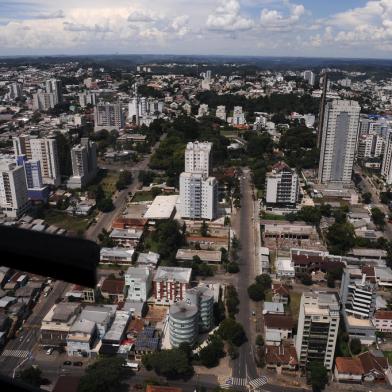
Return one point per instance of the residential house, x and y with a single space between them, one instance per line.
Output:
281 358
113 289
81 338
280 293
348 370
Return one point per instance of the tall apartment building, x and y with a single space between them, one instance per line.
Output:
386 168
358 293
370 146
36 190
221 112
14 90
84 164
87 98
318 325
339 140
282 185
309 76
48 99
108 116
238 116
43 150
197 157
13 189
198 191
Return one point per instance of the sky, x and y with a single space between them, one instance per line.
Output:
310 28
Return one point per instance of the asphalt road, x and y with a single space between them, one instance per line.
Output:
30 334
244 366
105 219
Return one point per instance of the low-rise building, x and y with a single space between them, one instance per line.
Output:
57 323
282 357
206 256
101 315
149 259
280 293
285 268
113 289
348 370
116 255
81 338
116 333
138 281
382 320
279 323
127 238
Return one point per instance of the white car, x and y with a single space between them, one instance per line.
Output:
49 351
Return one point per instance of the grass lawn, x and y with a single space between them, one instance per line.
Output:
142 196
108 183
67 222
295 300
269 216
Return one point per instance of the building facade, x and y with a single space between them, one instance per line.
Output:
282 186
318 326
43 150
183 324
138 281
13 189
339 140
108 116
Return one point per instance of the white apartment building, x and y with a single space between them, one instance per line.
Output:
43 150
138 280
108 116
318 326
13 189
238 116
197 157
358 294
221 112
309 76
339 140
198 195
54 86
84 163
370 146
386 168
203 110
87 98
14 90
282 185
382 320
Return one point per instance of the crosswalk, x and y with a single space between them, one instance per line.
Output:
15 353
234 382
257 383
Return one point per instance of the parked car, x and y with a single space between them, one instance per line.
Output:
49 351
67 363
78 363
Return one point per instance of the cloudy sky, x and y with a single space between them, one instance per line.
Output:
328 28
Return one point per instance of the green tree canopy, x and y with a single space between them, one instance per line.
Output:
104 375
232 331
318 376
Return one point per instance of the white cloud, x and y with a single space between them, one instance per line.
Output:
272 19
142 16
180 25
59 14
227 18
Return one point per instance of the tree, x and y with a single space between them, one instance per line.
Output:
232 300
367 198
355 346
210 354
318 376
256 292
32 376
259 340
172 364
265 280
105 240
233 268
378 217
124 179
306 279
146 177
105 204
204 229
230 330
340 238
104 375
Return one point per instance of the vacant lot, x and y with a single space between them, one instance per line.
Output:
64 221
108 183
142 196
295 300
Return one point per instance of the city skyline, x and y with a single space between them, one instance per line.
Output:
355 29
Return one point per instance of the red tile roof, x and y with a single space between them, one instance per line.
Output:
285 355
383 314
349 365
281 289
373 364
113 286
278 321
158 388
